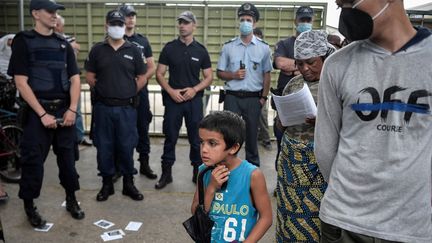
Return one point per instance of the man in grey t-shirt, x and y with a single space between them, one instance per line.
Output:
374 128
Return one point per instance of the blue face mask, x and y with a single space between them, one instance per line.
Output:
246 28
303 27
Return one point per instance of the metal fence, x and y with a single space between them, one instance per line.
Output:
420 17
210 100
217 23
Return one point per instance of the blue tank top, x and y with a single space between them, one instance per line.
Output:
232 209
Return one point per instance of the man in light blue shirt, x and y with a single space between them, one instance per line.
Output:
245 65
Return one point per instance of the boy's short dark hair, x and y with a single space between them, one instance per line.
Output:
230 125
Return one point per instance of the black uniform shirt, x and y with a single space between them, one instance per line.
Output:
284 48
19 61
142 43
115 70
184 62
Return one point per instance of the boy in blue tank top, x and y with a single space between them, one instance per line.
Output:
236 194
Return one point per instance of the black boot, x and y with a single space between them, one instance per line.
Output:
106 190
33 216
130 190
116 176
145 167
73 208
117 173
165 178
195 173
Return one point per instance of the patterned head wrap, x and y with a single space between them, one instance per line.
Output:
311 44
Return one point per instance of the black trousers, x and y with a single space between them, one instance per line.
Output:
35 145
144 119
192 112
250 110
334 234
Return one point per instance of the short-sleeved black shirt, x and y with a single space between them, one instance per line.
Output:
284 48
115 70
19 61
184 62
142 43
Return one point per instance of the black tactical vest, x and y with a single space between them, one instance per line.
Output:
48 76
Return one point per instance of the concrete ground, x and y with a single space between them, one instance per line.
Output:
161 212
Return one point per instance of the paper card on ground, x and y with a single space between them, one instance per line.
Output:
133 226
294 108
113 235
109 238
104 224
45 228
115 232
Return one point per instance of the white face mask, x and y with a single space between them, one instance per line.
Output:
116 32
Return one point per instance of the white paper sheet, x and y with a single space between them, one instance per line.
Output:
110 238
45 228
104 224
294 108
113 235
133 226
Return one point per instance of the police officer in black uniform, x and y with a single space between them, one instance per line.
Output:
47 77
182 94
116 72
144 114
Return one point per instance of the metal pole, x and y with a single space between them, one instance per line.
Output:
89 26
21 14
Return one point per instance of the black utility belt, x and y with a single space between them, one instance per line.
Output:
119 102
53 105
243 94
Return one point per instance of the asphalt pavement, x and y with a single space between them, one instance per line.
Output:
161 212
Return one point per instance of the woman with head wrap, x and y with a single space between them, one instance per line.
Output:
300 185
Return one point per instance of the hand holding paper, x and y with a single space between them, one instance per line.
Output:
294 108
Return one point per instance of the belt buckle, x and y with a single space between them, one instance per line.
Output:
57 101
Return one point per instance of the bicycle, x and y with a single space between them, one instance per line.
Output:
10 137
10 132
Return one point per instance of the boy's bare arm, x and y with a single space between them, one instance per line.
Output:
261 199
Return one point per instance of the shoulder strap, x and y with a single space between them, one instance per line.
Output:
233 39
27 34
201 184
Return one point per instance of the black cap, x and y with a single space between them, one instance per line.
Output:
304 12
114 16
188 16
50 5
248 9
127 10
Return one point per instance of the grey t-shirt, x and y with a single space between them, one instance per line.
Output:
373 140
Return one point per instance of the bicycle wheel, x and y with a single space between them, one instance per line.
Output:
10 170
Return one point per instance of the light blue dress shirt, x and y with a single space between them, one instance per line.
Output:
257 58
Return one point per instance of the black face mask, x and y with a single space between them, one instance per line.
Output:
355 24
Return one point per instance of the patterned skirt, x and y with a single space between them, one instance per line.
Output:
300 188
